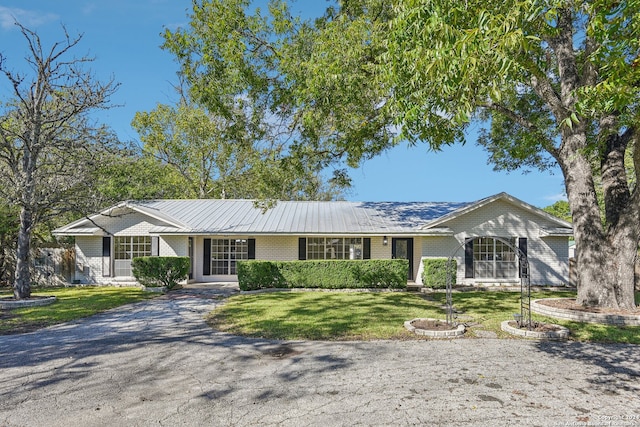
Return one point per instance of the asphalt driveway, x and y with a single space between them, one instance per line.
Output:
156 363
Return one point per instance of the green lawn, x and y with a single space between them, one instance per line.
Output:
370 316
72 303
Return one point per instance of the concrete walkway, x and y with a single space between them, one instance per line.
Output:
157 363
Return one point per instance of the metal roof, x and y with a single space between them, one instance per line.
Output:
245 217
287 217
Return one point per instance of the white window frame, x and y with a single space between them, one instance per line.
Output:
493 259
225 253
125 248
335 248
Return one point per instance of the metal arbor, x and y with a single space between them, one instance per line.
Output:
524 318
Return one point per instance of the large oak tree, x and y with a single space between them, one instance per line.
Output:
557 82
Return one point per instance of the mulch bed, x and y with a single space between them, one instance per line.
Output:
432 325
537 326
570 304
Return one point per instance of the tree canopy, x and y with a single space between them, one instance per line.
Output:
556 83
552 83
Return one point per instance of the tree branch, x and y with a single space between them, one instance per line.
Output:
562 46
527 124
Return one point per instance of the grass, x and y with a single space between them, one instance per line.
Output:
315 315
72 303
371 316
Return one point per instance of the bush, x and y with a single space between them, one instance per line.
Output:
326 274
160 271
434 274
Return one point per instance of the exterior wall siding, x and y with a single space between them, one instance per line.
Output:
89 262
548 256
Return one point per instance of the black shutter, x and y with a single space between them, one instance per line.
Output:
106 256
155 246
522 245
106 246
366 248
468 259
251 251
206 264
302 248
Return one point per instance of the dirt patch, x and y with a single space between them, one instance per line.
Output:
570 304
282 352
432 325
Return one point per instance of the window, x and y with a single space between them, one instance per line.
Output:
334 248
126 248
494 259
225 253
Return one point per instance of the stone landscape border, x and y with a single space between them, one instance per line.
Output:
453 333
8 303
560 335
583 316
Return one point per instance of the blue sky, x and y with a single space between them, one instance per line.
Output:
124 37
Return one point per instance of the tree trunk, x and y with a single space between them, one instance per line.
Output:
604 260
606 273
22 286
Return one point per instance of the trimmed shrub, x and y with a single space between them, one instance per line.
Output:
259 275
160 270
434 274
326 274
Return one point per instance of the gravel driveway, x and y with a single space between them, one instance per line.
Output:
156 363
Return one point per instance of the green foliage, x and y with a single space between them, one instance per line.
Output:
246 70
434 274
132 176
160 271
559 209
212 154
326 274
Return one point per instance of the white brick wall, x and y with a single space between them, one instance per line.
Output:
174 246
277 248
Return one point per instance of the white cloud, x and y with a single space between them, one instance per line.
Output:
556 197
28 18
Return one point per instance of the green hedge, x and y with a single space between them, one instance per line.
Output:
434 274
160 270
326 274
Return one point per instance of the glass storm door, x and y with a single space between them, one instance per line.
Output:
403 249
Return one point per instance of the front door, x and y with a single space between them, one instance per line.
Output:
402 248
